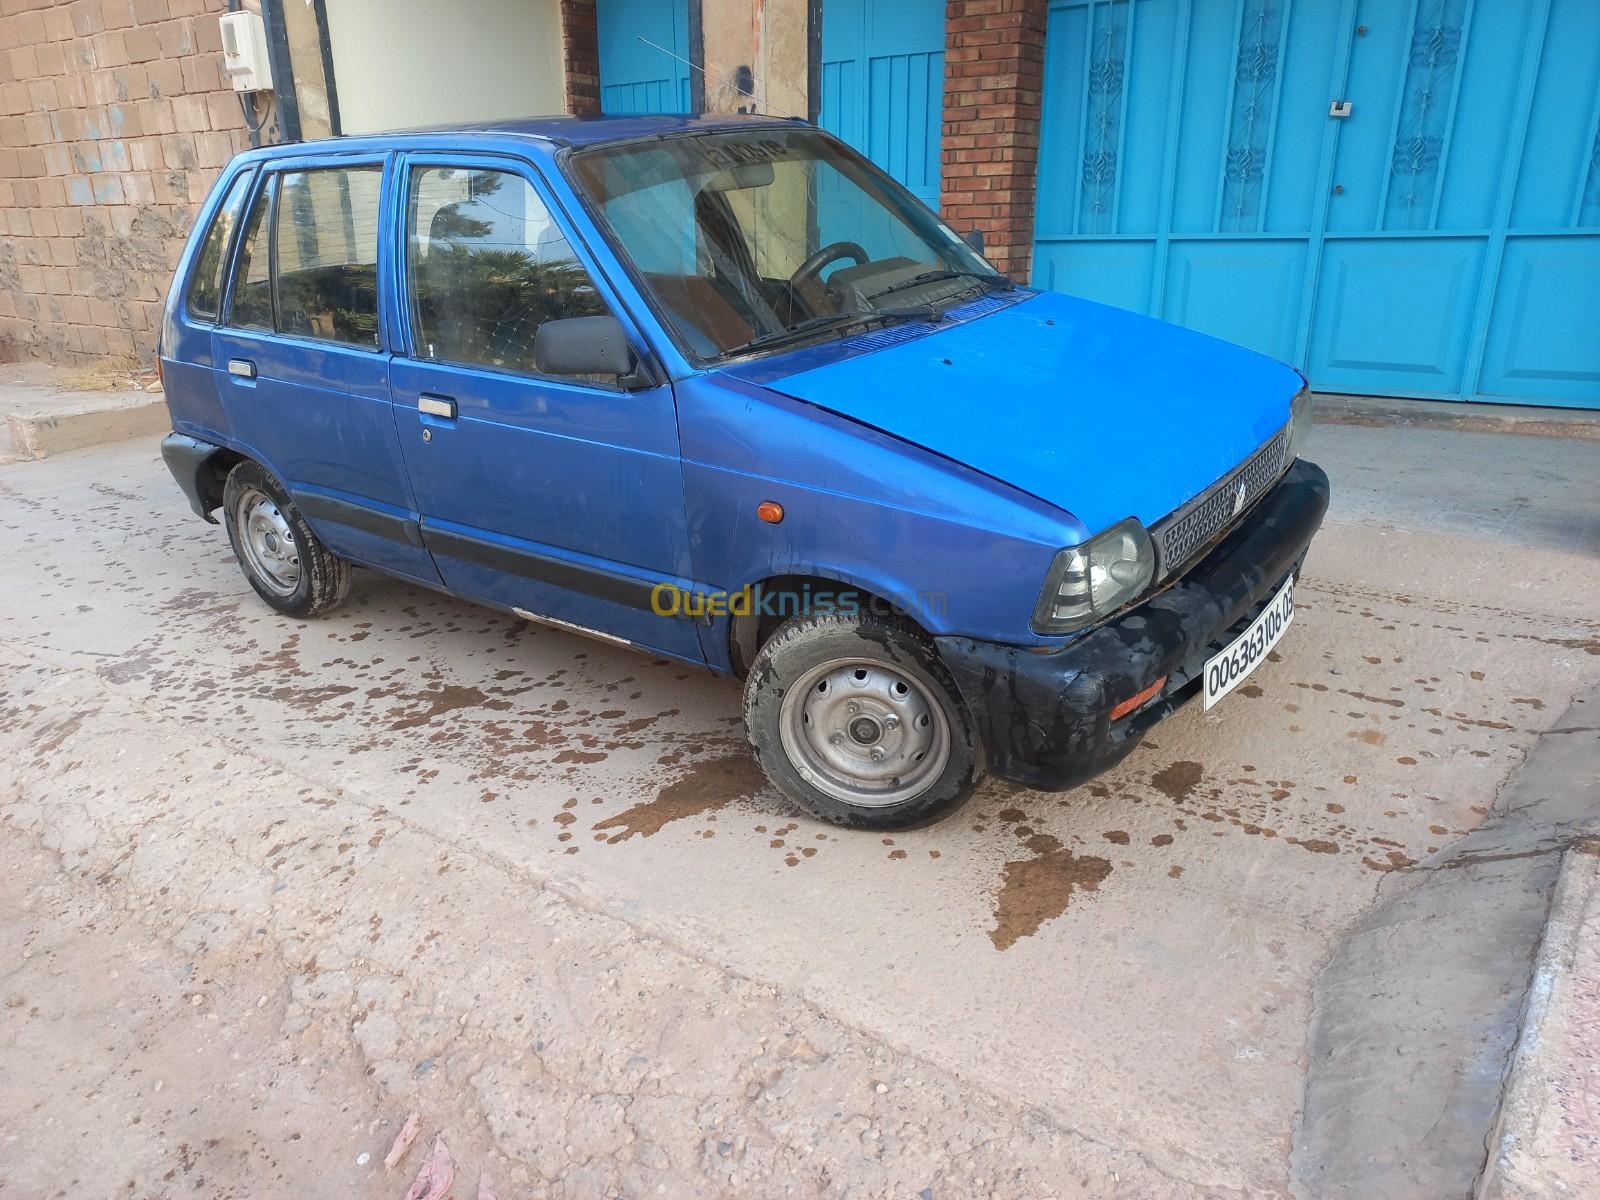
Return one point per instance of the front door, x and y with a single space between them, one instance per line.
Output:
558 497
303 375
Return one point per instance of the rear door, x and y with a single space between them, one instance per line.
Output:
561 497
302 360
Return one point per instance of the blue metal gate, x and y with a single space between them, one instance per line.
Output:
883 85
636 77
1440 240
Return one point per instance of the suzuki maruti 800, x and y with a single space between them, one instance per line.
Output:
722 390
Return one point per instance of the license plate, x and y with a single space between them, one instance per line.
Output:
1230 666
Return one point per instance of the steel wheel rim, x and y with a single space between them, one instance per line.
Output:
864 733
268 542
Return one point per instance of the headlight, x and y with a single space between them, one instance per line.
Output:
1091 581
1299 424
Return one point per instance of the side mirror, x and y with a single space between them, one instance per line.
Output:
583 346
974 238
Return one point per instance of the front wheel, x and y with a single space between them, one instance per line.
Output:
855 719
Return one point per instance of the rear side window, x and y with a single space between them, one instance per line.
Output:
326 248
486 267
205 287
251 307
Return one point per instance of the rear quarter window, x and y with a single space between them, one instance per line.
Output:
205 286
251 306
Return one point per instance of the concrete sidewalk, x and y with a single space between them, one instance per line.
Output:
46 410
1547 1141
1463 1010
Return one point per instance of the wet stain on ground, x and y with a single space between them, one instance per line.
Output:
710 784
1038 889
1315 845
1178 780
445 699
1394 860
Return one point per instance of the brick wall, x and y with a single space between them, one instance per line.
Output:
580 56
993 76
114 120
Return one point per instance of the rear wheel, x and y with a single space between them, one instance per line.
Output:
856 720
284 561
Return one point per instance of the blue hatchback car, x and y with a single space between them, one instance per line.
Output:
720 389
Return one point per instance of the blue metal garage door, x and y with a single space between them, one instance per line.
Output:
883 85
1441 240
636 77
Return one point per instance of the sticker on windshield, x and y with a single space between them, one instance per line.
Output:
739 154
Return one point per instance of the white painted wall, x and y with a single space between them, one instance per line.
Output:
430 62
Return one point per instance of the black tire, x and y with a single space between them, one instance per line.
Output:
811 651
323 579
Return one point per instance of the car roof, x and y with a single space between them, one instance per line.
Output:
562 130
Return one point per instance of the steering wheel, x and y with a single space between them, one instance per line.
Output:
807 279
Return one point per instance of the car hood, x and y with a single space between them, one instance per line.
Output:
1099 411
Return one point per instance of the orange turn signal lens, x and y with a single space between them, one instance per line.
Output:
770 511
1134 701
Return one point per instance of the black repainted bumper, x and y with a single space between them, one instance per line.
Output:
186 458
1046 718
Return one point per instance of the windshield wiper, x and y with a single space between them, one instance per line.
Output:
989 278
920 312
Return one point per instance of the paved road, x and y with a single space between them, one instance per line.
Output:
1137 978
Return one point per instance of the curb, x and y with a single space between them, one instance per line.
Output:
1546 1141
29 436
1456 416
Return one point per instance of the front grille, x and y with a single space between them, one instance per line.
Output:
1185 533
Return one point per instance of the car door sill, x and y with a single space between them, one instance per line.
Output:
572 627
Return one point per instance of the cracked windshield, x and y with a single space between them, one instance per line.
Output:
754 240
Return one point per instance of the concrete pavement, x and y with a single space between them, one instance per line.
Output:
533 860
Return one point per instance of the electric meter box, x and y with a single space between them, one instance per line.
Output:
244 52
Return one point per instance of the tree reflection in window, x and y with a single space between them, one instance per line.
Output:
487 267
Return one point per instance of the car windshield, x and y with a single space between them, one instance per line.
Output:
751 240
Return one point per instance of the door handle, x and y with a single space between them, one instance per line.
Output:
242 367
437 406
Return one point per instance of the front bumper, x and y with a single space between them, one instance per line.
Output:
1046 718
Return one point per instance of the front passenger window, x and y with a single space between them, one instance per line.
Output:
487 266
